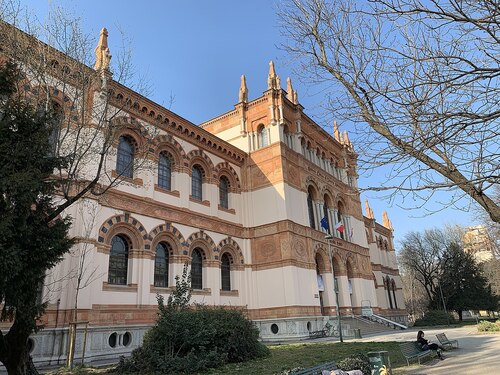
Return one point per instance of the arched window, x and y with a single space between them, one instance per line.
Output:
197 182
165 171
196 269
340 222
393 284
326 215
310 208
262 136
224 192
388 285
350 281
56 120
118 261
161 264
125 158
288 136
225 272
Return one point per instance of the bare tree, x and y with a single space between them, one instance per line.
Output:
420 82
421 256
59 77
80 98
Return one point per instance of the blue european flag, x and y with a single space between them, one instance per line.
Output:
324 224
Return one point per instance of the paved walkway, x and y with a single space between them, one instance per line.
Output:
477 354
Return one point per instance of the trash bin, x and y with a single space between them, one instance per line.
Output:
380 363
357 333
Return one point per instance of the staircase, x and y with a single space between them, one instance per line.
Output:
367 326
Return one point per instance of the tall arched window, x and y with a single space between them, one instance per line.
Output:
118 261
224 192
326 215
393 284
197 182
225 272
262 136
288 136
196 269
350 281
388 285
165 171
310 208
56 120
340 227
321 285
161 264
125 157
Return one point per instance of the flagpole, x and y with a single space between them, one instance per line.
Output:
329 237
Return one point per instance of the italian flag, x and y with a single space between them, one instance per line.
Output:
339 226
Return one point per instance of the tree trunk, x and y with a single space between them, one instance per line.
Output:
459 315
16 358
14 351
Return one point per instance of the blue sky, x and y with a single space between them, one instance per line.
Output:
196 51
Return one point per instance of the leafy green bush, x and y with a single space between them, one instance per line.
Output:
434 318
190 339
485 326
356 362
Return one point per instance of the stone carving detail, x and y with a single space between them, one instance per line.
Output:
268 250
300 250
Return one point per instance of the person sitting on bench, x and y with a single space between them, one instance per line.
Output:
424 344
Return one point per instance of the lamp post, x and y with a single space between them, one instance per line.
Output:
444 304
329 237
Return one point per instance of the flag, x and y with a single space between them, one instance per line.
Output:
324 224
339 227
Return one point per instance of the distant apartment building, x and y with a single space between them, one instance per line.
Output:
477 241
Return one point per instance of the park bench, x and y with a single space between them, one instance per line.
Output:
329 366
411 350
445 343
317 334
326 366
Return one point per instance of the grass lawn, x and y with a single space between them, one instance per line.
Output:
286 357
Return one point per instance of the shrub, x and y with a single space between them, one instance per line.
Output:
190 339
356 362
485 326
434 318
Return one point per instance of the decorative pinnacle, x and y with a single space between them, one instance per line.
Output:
336 132
346 138
243 96
369 212
385 221
273 80
289 88
102 54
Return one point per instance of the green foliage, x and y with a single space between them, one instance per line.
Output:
181 296
30 244
188 339
434 318
463 283
356 362
486 326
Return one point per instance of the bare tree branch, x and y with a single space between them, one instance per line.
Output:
418 83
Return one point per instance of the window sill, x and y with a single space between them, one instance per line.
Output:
174 193
135 181
161 289
204 203
228 210
229 293
118 288
201 292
